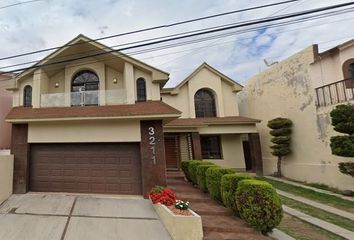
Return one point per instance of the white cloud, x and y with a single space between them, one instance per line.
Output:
52 23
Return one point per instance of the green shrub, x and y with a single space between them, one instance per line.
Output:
343 118
259 204
229 183
184 166
347 168
342 146
213 181
192 169
201 177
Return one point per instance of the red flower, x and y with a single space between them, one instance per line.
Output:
166 197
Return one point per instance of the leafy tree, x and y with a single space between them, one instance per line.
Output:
281 131
343 122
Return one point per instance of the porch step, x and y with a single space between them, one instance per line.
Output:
175 175
225 224
210 208
182 189
176 182
212 235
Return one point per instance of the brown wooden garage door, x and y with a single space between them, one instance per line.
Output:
86 168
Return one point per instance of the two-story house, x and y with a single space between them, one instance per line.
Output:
91 119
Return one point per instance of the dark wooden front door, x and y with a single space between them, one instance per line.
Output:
86 167
172 153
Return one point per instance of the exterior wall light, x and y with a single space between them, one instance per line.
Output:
56 85
115 81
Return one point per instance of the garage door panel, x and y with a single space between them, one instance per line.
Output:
90 168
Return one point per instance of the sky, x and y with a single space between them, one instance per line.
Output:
51 23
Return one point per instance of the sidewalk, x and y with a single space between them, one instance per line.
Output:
219 223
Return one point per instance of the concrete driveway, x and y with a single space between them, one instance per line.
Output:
35 216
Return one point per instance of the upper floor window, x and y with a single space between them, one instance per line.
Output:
204 102
27 96
141 89
84 89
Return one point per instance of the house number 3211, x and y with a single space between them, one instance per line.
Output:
152 143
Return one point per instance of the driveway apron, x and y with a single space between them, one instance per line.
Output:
37 216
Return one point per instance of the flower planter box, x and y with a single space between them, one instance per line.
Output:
180 227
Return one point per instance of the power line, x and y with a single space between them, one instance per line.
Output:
95 61
152 28
19 3
278 11
250 23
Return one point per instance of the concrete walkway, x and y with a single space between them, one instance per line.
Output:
311 188
321 206
320 223
69 217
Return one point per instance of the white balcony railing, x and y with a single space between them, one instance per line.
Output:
85 98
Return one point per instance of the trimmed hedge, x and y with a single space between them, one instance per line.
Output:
213 181
201 176
259 204
184 166
229 184
192 169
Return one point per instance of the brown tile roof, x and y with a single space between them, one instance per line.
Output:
182 122
126 110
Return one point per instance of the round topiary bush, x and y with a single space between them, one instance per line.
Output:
213 181
192 169
184 166
229 184
259 204
201 177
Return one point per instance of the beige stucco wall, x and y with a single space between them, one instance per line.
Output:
87 131
287 90
5 107
6 176
232 152
226 99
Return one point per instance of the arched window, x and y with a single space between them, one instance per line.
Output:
204 103
141 89
84 89
27 96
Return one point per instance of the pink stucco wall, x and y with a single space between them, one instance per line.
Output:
5 106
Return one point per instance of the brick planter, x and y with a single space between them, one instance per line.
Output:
180 227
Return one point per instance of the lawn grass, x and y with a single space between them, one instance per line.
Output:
312 195
301 230
324 187
318 213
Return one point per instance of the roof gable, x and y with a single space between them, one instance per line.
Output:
157 74
236 87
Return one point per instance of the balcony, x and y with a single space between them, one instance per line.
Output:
84 98
334 93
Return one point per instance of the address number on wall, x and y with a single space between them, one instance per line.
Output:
152 143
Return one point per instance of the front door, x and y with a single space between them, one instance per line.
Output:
172 152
